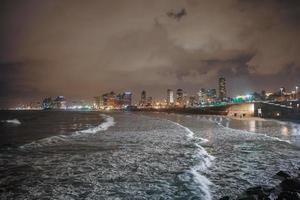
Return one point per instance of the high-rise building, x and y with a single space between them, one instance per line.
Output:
179 97
170 97
111 101
127 99
143 101
202 95
222 88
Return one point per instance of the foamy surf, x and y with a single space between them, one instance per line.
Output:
55 140
108 122
204 162
12 121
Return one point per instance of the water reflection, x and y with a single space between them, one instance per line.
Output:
252 125
284 131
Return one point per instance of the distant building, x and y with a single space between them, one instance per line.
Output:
97 102
59 103
127 99
263 95
111 100
143 101
192 101
170 97
202 95
179 97
211 94
222 88
47 103
35 105
149 102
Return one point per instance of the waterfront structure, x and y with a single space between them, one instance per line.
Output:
222 88
170 97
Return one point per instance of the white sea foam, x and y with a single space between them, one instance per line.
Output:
108 122
190 134
54 140
205 162
12 121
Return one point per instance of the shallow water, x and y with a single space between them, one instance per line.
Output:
140 155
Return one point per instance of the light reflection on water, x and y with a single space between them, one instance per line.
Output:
284 131
252 125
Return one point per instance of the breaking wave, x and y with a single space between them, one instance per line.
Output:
192 177
108 122
12 121
54 140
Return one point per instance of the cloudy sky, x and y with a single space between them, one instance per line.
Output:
81 49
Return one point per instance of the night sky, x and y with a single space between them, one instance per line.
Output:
81 49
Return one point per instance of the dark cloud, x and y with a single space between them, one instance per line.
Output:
81 49
177 15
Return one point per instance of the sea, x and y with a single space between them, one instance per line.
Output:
140 155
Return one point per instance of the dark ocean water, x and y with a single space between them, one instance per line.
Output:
91 155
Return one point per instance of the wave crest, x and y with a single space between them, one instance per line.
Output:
12 121
55 140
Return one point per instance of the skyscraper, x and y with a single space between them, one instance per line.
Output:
179 97
170 97
202 95
143 101
222 88
127 99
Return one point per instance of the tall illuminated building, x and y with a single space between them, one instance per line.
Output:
143 101
202 95
127 99
170 97
179 97
222 88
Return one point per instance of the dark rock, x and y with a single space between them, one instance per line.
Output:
292 185
259 190
252 197
281 175
225 198
289 196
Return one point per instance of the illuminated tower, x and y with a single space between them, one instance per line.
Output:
143 98
170 97
222 88
179 97
127 98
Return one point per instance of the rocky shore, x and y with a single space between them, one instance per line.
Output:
287 189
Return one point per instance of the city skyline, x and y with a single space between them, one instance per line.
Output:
80 49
